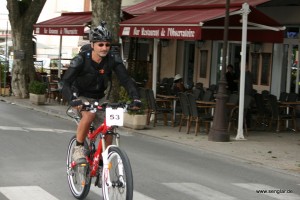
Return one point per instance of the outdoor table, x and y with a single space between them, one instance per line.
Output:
173 101
206 104
288 105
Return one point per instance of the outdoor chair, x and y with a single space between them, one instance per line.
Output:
233 99
283 96
197 117
262 111
234 114
208 95
281 113
265 94
292 97
198 93
54 91
213 88
185 112
232 102
143 95
156 109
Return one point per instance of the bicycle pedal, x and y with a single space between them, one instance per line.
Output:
82 164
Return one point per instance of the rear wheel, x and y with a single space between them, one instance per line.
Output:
78 176
117 180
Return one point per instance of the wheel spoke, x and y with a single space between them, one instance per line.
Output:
78 176
119 184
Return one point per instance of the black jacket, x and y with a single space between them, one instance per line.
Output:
89 79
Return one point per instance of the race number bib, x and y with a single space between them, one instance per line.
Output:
114 117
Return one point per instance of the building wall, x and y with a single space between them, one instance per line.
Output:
48 46
168 60
201 64
266 48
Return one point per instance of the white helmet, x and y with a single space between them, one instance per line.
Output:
177 77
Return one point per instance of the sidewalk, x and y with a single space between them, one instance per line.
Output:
280 151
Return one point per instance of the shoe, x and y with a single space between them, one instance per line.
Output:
78 155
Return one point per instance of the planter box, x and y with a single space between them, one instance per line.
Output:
135 121
38 99
5 91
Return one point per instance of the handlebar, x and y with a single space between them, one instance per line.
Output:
94 107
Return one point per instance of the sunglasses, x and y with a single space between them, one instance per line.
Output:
101 44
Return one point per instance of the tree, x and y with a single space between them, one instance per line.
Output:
109 11
23 14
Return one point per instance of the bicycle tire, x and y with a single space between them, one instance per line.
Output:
118 159
78 191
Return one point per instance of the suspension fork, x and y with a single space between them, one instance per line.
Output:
106 165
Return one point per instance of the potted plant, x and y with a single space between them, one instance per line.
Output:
133 119
37 91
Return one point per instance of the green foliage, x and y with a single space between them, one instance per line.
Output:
123 97
138 70
37 87
3 72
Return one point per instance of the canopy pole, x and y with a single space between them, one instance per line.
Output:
297 56
59 57
154 69
240 131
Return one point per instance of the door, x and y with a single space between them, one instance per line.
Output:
292 52
189 60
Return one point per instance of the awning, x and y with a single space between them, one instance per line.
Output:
72 23
205 22
146 6
149 6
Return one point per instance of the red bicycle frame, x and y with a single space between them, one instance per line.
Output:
96 157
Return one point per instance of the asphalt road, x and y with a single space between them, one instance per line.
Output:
32 165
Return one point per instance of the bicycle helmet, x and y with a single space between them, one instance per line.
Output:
100 34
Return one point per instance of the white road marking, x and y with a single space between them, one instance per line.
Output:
199 191
26 193
11 128
140 196
136 195
193 189
276 193
51 130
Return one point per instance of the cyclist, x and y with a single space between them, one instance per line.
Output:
90 76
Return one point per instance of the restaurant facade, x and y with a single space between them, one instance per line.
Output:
186 37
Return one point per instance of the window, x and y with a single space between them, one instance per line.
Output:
292 32
265 70
255 67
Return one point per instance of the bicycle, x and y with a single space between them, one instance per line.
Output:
110 165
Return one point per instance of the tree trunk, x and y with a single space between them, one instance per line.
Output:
22 16
109 11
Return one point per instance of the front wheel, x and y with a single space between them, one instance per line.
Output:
117 178
78 176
